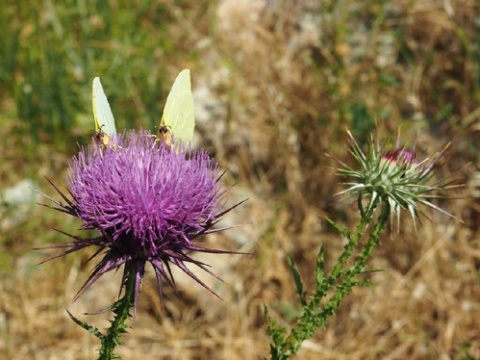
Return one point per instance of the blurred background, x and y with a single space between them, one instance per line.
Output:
276 84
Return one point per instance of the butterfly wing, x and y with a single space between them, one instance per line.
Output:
102 113
178 114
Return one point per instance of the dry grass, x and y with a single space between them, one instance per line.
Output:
276 84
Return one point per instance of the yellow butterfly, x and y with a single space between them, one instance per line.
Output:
102 114
178 116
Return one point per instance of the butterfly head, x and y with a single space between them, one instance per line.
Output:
164 134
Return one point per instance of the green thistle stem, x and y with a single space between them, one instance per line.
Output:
341 280
121 309
352 242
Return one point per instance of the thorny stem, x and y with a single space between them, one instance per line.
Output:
304 329
122 310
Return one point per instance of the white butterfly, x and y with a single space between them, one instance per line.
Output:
102 114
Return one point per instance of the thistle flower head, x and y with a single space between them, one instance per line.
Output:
393 177
148 201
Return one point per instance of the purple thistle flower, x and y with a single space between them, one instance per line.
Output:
149 202
400 155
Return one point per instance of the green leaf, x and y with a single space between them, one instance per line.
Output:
298 281
321 267
339 228
91 329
